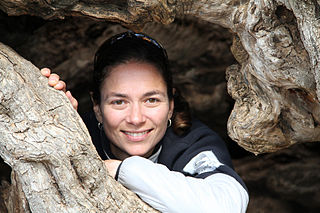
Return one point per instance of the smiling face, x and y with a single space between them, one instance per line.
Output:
134 109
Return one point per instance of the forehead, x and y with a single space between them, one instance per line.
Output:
133 76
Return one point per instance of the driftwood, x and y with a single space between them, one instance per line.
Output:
49 148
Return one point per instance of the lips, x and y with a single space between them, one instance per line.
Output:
137 135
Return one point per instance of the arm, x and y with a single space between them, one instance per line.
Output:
112 167
170 191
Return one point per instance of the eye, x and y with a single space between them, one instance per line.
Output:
152 100
118 102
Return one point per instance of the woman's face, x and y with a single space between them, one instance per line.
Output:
134 109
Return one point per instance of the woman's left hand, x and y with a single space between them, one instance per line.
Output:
112 166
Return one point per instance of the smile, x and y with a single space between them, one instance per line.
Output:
137 136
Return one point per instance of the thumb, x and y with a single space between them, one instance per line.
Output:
73 101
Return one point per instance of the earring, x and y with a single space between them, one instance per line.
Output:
169 124
100 125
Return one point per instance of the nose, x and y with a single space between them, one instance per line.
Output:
136 115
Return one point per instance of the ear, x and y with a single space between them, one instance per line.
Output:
171 108
97 112
171 104
96 109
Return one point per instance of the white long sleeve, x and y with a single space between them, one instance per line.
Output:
169 191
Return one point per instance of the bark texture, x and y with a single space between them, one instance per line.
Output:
56 168
276 84
275 88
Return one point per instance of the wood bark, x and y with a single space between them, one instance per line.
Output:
276 85
55 165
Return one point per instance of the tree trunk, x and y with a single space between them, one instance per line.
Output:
277 100
43 139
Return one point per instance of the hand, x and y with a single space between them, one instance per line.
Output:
55 82
112 166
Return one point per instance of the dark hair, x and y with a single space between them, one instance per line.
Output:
131 46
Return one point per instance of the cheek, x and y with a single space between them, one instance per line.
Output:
159 116
111 118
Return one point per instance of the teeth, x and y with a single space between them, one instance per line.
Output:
136 134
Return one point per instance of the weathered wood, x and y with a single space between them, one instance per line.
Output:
129 13
276 88
47 145
280 106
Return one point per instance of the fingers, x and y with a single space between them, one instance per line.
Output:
45 72
61 85
73 101
55 82
53 79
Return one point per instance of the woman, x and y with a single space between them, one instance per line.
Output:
142 129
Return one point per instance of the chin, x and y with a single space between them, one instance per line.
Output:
140 153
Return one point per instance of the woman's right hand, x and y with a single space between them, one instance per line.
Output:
55 82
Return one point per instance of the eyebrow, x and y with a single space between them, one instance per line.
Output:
114 94
154 92
147 94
